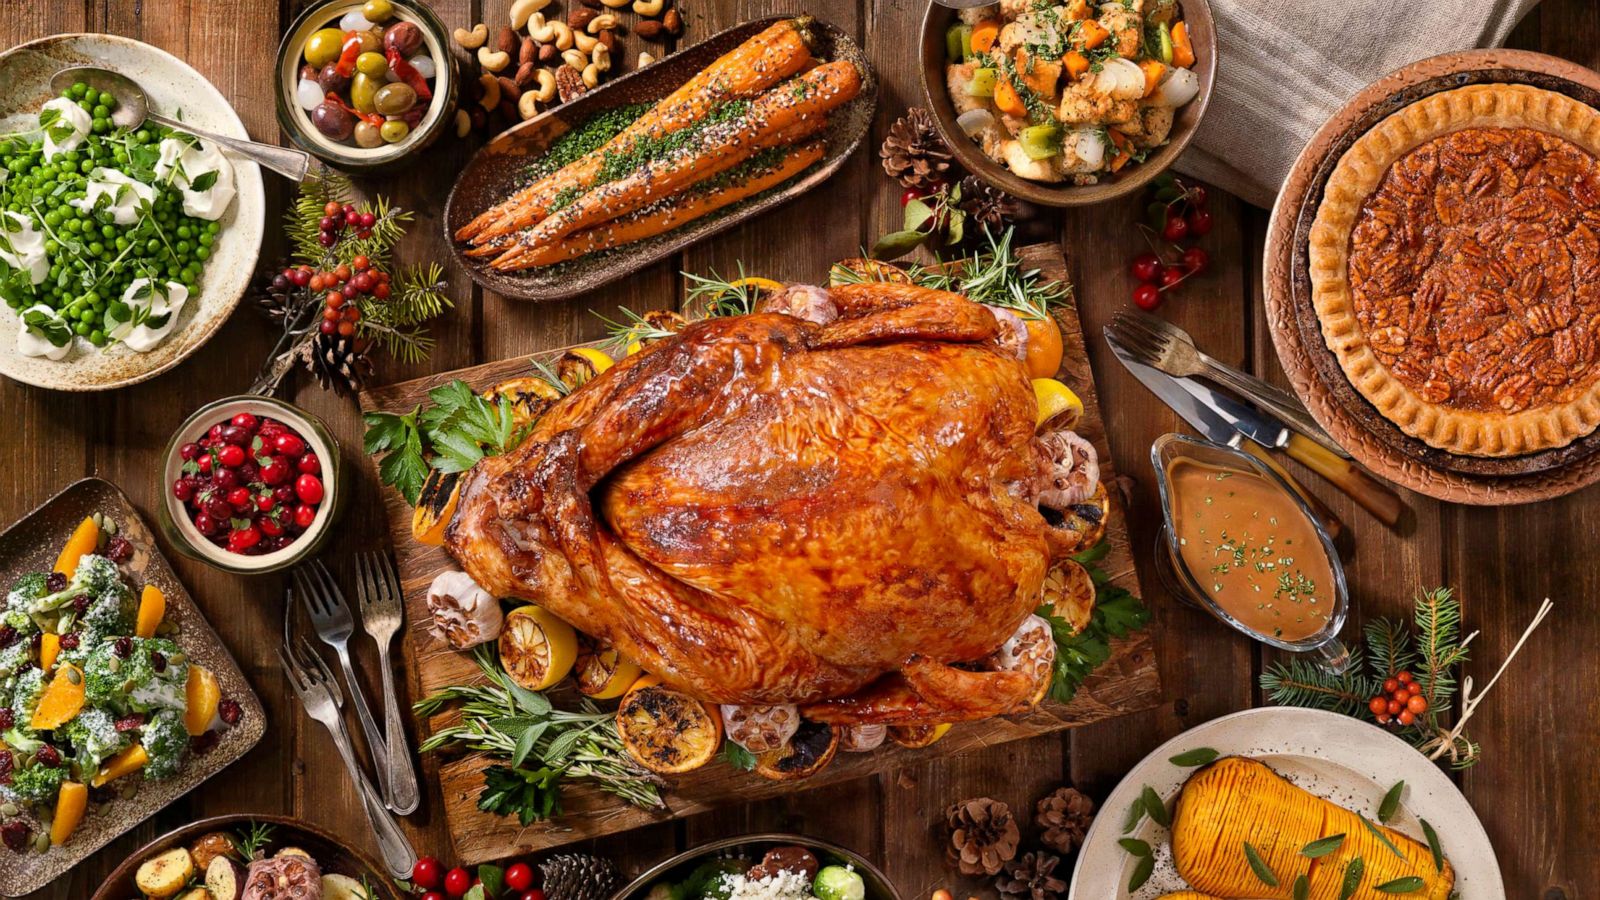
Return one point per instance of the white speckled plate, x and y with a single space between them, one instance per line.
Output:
1335 757
172 86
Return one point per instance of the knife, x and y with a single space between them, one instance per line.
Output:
1372 495
1214 427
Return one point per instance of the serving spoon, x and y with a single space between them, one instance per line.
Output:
965 4
133 108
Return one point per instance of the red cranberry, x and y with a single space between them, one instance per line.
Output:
8 720
188 451
6 762
350 211
309 489
275 471
129 723
244 538
8 636
219 508
118 549
249 472
69 641
304 515
204 462
201 744
288 444
235 435
283 495
158 660
427 873
301 277
123 647
55 582
245 420
519 876
1146 267
231 455
265 503
204 524
48 756
183 489
309 464
215 432
368 220
15 833
227 479
230 711
239 498
362 283
270 428
269 526
80 604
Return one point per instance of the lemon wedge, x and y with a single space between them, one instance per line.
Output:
1059 407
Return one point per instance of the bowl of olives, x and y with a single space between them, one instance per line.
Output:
364 84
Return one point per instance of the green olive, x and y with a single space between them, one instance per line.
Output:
368 135
363 88
395 130
323 46
377 10
373 64
394 99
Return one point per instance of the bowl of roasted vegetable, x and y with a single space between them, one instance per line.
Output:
779 866
1068 102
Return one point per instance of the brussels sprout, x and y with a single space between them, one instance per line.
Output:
839 883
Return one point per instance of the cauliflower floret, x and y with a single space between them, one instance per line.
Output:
38 783
94 738
166 741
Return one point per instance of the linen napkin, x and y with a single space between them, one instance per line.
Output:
1285 66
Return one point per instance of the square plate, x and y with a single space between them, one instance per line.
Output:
31 545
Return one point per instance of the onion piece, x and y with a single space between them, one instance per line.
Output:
974 121
1181 86
308 94
1121 79
354 21
1087 146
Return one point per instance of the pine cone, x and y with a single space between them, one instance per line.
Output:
272 293
988 205
1031 878
1063 818
983 836
914 153
338 362
579 876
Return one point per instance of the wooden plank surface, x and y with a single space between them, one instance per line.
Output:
1535 791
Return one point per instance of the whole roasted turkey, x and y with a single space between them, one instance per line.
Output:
834 501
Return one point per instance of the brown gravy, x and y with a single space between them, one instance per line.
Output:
1252 549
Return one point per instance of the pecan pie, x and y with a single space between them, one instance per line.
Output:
1455 268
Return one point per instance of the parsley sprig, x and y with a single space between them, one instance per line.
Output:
1117 613
451 433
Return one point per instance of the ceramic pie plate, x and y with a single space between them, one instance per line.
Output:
172 86
1314 371
31 545
332 854
1335 757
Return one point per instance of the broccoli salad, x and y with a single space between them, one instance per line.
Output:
93 691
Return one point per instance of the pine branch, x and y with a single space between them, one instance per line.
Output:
1438 618
1299 682
1389 648
387 231
301 222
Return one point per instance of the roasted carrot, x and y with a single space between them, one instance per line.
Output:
1040 75
791 111
673 212
1154 71
771 56
984 34
1006 98
1076 64
1182 46
1124 149
1091 34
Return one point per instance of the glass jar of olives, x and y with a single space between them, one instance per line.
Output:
364 84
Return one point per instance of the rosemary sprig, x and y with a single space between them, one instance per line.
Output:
712 296
633 330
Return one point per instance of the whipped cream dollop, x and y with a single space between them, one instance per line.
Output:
146 314
44 333
22 246
124 194
65 125
201 172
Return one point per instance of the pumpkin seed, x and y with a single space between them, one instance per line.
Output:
177 659
41 841
108 525
114 664
8 809
73 677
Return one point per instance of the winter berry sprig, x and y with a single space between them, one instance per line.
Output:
1175 217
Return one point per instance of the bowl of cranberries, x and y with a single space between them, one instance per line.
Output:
251 484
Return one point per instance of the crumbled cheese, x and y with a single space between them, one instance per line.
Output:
781 886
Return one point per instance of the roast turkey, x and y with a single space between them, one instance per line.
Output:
833 502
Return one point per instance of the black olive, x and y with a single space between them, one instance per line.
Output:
333 120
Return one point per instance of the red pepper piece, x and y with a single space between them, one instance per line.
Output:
351 49
409 74
374 119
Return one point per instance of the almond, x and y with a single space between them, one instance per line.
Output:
525 74
580 17
608 40
529 51
673 21
509 90
548 53
650 30
506 41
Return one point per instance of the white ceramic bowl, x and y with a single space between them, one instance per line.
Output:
172 85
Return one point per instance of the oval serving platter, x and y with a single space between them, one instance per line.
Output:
497 169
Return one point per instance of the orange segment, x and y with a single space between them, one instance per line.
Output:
1044 347
201 695
152 609
71 802
49 646
537 649
667 731
130 760
84 539
61 701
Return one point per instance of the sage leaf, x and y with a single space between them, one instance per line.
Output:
897 244
1433 845
1408 884
1320 848
1156 809
1302 887
917 214
1199 756
1382 838
1141 873
1259 866
523 748
1391 802
1134 846
1135 814
1352 878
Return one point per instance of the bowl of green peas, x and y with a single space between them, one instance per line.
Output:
122 250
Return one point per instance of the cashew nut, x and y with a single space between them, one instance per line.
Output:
522 9
527 105
600 57
649 7
584 43
575 59
463 123
601 23
493 60
546 91
553 31
591 75
615 4
491 92
645 59
472 40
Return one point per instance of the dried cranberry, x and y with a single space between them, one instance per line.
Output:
158 661
123 647
129 723
69 641
56 582
119 549
8 636
201 744
230 711
48 756
16 834
7 761
8 718
80 604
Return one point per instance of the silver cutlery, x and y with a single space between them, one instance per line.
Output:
378 590
317 689
330 616
1167 347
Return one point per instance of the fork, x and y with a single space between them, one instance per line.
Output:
378 590
330 615
1167 347
317 689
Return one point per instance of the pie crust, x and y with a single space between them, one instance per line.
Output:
1455 269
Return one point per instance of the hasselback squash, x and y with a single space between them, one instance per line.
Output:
1187 895
1235 801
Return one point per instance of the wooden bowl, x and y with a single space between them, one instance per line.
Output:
1314 372
754 846
332 855
939 18
497 170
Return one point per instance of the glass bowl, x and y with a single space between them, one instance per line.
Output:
346 155
1324 644
179 527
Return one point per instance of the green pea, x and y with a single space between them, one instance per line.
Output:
203 253
82 328
184 232
97 338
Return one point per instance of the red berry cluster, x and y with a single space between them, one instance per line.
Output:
1179 214
250 485
1401 701
430 877
336 217
345 284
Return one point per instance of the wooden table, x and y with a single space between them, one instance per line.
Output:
1536 790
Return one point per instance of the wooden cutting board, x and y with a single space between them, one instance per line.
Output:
1128 682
